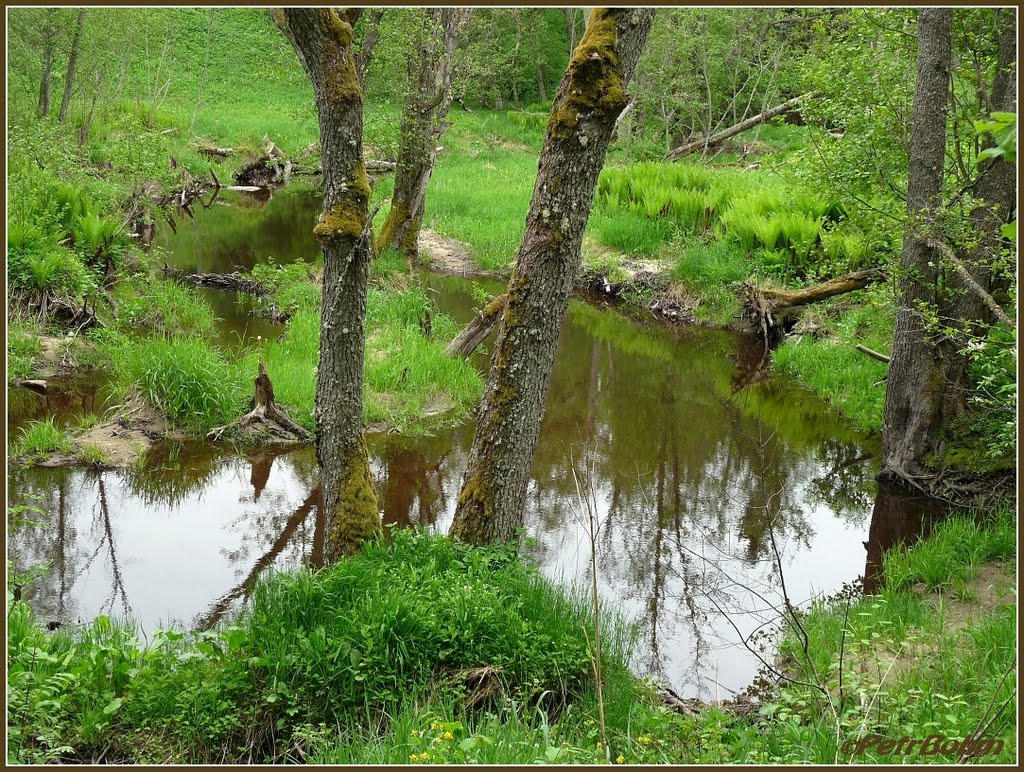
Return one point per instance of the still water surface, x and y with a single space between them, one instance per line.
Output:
703 467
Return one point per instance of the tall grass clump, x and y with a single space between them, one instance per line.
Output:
413 619
185 378
40 438
155 305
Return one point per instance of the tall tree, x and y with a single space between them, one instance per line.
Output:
69 78
322 39
49 33
424 120
590 97
996 192
914 398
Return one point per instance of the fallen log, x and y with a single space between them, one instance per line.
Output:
230 282
474 333
265 417
704 143
771 310
220 152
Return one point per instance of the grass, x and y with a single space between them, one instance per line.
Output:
40 438
22 349
337 649
829 364
908 670
708 270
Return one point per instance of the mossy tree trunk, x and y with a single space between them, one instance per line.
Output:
322 39
424 121
914 397
589 99
996 191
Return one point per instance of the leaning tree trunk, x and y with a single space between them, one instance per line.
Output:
69 79
997 197
424 120
49 33
917 372
322 39
589 99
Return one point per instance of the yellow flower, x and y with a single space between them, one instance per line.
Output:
600 746
620 759
448 736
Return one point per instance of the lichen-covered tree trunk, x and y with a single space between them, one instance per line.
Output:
69 78
917 371
424 121
49 33
589 99
997 196
322 39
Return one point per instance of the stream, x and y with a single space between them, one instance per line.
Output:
709 474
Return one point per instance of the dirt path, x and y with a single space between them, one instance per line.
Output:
448 255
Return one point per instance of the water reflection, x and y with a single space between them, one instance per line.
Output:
693 483
712 480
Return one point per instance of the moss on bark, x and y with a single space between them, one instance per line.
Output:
355 518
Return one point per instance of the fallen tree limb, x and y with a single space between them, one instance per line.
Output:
770 309
704 143
872 354
474 333
987 299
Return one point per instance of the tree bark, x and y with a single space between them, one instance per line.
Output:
739 128
591 96
914 394
424 121
49 33
69 79
322 39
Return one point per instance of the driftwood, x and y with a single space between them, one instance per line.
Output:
703 143
230 282
474 333
771 310
265 416
693 707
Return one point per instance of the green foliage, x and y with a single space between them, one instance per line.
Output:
185 378
952 554
405 617
829 364
909 671
154 305
40 438
22 349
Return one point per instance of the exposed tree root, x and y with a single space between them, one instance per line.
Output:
955 486
265 421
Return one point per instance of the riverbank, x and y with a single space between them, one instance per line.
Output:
385 677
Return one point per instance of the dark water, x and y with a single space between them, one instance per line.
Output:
708 475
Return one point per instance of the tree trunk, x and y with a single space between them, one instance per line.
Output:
589 99
739 128
69 79
49 33
997 197
424 121
322 39
917 373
